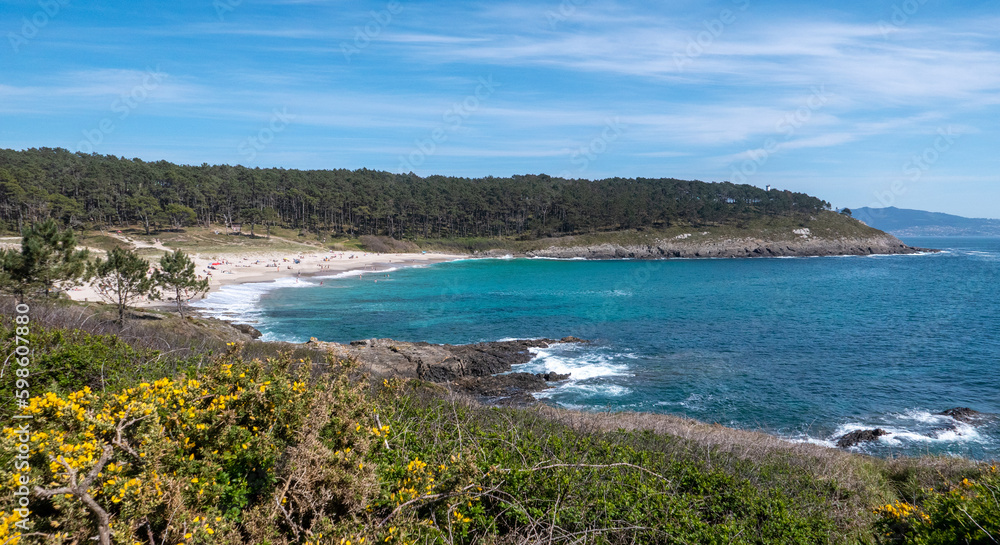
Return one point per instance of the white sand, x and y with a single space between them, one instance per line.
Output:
236 267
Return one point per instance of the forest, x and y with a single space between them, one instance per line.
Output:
105 192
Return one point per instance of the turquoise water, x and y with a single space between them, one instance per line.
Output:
806 348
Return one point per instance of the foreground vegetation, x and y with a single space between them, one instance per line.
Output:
164 431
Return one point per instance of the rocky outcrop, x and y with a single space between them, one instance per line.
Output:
798 246
248 330
966 415
481 369
860 436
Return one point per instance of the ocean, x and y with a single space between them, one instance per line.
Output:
804 348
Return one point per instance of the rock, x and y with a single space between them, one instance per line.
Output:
502 385
964 414
860 436
249 330
476 369
436 365
877 243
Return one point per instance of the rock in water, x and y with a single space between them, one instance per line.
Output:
963 414
249 330
502 385
860 436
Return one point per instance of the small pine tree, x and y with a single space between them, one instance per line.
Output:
122 279
177 274
48 259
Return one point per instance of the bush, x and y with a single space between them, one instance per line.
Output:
186 458
67 360
387 245
967 512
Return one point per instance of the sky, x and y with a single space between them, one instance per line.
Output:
862 103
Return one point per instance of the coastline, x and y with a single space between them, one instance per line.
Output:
690 246
237 268
247 267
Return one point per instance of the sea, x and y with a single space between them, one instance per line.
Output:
807 349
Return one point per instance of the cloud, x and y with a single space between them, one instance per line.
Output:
919 64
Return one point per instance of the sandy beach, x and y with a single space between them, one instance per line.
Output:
225 269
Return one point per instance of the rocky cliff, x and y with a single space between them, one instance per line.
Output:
802 244
481 369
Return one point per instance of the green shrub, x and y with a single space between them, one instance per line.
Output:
966 512
64 360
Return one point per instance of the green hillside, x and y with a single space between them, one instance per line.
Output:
105 192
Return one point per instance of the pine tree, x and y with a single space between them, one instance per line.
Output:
122 279
177 274
48 259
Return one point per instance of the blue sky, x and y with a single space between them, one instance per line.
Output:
861 103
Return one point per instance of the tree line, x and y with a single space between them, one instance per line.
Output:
95 191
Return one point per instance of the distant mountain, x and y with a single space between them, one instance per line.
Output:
916 223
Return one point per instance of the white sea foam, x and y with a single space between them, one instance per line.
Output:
914 426
591 371
584 390
580 364
356 272
240 301
914 254
811 440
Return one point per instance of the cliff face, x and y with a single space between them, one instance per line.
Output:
802 244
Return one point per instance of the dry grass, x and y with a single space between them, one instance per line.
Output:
387 245
853 483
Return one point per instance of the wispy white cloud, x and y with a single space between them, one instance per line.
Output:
565 69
